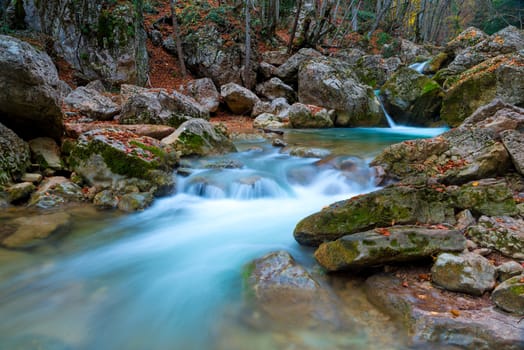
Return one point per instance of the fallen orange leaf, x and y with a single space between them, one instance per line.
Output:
455 313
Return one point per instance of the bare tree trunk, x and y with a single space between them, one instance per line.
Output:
295 25
247 62
176 31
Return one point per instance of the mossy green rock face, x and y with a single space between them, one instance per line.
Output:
509 295
413 98
455 157
501 76
330 83
502 233
199 137
104 156
404 205
395 244
468 273
15 157
398 204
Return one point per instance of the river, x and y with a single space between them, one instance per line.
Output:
170 277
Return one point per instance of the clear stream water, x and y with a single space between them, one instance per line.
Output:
170 277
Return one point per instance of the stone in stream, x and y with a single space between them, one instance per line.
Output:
268 121
301 117
31 229
468 273
509 295
503 233
387 245
54 192
287 294
433 315
131 202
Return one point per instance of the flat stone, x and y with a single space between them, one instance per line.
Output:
35 228
468 273
31 177
387 245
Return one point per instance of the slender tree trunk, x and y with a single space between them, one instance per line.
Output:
247 63
295 25
176 31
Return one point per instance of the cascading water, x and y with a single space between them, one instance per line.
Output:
170 277
419 66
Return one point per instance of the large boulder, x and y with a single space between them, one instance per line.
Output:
404 205
238 99
413 98
509 295
467 38
467 273
387 245
157 106
92 104
29 96
46 153
504 234
286 293
208 54
513 140
100 40
409 51
104 158
445 320
501 76
288 71
15 156
204 92
301 117
330 83
199 137
275 88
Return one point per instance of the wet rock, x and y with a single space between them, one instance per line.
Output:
46 153
387 245
403 205
308 152
455 157
102 157
131 202
513 140
238 99
436 63
288 71
199 137
413 98
204 92
287 294
276 88
301 117
157 106
268 121
467 273
278 143
509 295
31 229
15 156
436 316
332 84
503 233
54 192
20 192
501 76
509 269
29 97
105 199
92 104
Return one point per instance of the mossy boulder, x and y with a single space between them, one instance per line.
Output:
288 71
468 273
199 137
403 204
436 63
301 117
501 76
102 157
502 233
20 192
455 157
509 295
387 245
131 202
332 84
15 156
413 98
157 106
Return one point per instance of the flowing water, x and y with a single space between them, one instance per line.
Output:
170 277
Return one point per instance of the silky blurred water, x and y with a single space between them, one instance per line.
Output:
170 277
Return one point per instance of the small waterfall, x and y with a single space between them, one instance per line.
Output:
419 66
390 120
